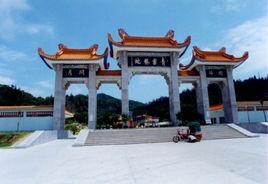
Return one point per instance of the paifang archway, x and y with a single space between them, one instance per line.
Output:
143 55
149 55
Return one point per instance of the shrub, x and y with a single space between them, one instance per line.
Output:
185 117
125 117
194 126
74 127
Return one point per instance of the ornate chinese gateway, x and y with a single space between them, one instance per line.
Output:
143 55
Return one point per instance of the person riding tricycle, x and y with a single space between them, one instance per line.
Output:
192 134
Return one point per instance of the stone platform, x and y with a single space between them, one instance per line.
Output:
155 135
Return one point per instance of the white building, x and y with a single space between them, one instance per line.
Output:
27 118
248 112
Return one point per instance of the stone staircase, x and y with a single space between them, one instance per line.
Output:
154 135
255 127
212 132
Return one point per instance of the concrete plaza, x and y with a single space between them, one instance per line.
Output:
219 162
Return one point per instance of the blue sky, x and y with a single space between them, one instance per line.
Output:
25 25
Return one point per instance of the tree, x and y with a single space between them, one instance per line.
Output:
125 119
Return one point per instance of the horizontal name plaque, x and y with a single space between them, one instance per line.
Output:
217 73
75 73
149 61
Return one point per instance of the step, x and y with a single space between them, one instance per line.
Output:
154 135
255 127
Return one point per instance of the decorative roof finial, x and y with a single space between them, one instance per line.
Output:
61 46
170 34
223 49
122 33
94 48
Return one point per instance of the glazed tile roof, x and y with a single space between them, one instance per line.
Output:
239 103
193 72
118 73
65 53
213 56
216 107
26 107
108 73
220 55
251 102
166 41
32 107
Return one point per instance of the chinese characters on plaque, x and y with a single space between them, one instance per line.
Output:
75 72
149 61
219 73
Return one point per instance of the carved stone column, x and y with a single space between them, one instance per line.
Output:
202 95
59 100
174 95
92 97
229 98
125 82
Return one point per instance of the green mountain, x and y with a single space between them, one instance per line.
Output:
109 107
12 95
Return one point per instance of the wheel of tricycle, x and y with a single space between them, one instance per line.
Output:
176 139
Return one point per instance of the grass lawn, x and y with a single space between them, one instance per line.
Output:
9 138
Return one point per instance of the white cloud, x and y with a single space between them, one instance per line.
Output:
7 5
77 89
235 5
37 28
222 6
35 91
42 88
7 54
47 84
144 80
8 60
5 71
6 80
11 21
249 36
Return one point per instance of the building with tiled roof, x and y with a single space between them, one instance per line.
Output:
28 118
248 112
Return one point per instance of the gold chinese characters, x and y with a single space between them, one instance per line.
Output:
150 61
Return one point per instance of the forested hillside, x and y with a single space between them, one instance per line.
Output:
108 107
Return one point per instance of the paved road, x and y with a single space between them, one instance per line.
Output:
219 162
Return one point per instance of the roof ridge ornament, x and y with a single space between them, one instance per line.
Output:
198 52
94 48
61 46
245 55
223 49
122 33
170 34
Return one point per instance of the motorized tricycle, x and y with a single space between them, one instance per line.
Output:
192 133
